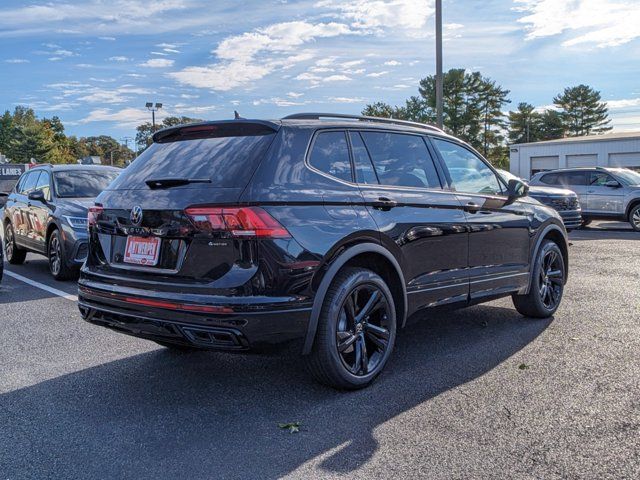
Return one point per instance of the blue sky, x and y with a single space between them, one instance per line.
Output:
95 63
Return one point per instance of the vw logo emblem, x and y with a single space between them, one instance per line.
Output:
136 215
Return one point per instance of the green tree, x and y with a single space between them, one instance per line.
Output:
551 125
582 111
379 109
524 124
144 132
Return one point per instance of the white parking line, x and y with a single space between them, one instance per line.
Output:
42 286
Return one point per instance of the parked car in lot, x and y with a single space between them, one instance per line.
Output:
323 230
1 259
604 193
47 213
561 199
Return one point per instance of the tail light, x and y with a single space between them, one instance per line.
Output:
92 216
241 222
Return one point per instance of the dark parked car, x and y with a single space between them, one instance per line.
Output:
47 213
315 229
605 193
560 199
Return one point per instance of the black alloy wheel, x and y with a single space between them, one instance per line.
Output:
356 330
14 254
547 283
362 337
551 279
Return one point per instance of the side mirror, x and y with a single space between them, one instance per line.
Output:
37 195
517 189
612 184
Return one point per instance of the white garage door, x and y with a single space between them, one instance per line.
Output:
624 159
582 161
539 164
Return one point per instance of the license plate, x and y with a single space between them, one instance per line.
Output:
142 251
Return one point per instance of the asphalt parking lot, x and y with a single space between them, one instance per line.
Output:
475 393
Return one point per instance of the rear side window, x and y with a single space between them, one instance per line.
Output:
573 178
226 157
365 172
550 179
330 154
401 160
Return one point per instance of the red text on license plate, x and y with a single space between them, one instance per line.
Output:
142 251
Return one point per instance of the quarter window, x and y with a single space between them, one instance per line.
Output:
469 174
550 179
330 155
401 160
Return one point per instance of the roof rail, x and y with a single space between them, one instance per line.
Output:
362 118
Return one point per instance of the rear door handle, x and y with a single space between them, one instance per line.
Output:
384 203
472 207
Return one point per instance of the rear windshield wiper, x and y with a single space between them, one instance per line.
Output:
174 182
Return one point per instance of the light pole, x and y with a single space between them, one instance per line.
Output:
153 109
439 80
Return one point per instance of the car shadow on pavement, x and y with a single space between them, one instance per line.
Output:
211 415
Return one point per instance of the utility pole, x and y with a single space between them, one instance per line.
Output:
439 79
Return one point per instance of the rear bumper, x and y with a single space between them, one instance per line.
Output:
572 219
250 327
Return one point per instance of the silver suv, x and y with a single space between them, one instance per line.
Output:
604 193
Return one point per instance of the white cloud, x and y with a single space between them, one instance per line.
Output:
161 54
346 99
624 103
107 39
127 117
600 23
279 102
157 63
248 57
17 60
393 63
377 74
119 58
336 78
374 14
295 95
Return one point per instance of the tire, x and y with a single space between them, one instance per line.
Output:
634 218
586 222
547 284
58 258
352 345
15 255
174 347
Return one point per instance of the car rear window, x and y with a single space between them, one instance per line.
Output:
82 183
226 160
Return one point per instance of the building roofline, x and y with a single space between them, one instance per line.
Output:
585 139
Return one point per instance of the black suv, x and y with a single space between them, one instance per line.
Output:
47 213
323 230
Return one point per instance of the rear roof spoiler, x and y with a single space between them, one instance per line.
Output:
199 130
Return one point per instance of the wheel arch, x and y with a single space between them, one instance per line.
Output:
632 204
557 234
361 255
50 228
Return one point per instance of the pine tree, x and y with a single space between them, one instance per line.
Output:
524 124
582 111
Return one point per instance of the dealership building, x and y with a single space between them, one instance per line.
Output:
609 150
